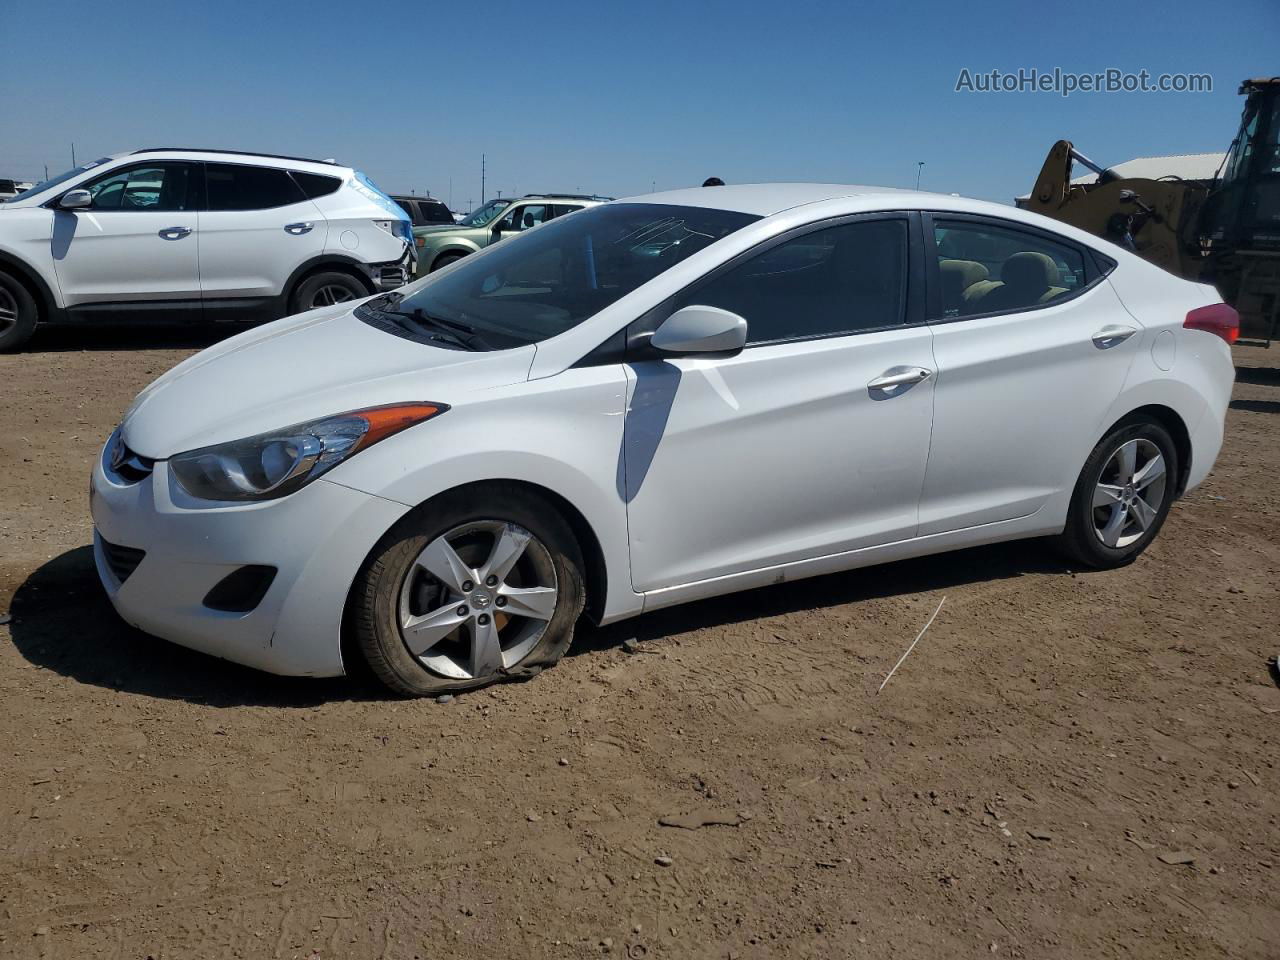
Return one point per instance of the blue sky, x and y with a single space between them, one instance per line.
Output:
614 97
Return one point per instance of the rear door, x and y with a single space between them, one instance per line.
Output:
1032 346
138 243
257 228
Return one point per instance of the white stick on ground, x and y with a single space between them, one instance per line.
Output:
913 644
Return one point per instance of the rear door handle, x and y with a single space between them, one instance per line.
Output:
1112 336
896 377
298 229
175 233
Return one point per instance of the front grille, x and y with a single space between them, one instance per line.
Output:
128 466
122 560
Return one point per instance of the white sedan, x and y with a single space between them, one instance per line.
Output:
649 402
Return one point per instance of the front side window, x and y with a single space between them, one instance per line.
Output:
157 187
233 186
985 268
531 288
523 217
837 280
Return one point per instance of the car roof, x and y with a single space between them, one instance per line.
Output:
768 199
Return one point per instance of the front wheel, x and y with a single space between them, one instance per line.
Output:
478 586
1123 495
445 260
17 313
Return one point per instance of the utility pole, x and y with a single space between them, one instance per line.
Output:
451 193
482 178
73 154
919 169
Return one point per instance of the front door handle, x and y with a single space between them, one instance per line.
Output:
1112 336
175 233
298 229
896 377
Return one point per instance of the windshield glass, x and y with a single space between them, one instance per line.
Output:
539 284
484 214
54 181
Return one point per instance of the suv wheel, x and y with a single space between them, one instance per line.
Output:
483 584
445 260
326 289
18 313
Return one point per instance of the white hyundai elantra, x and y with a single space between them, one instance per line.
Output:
649 402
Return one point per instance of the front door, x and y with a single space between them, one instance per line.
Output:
812 441
137 243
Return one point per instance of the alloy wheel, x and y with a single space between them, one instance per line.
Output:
8 311
477 599
329 294
1130 493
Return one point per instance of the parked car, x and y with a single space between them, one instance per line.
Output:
9 188
195 234
651 402
440 246
424 211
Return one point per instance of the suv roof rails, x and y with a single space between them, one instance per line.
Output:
237 153
555 195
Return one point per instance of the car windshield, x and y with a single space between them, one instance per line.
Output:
482 215
540 284
60 178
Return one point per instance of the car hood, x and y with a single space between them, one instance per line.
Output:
440 228
314 365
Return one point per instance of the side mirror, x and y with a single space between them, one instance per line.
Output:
76 200
699 331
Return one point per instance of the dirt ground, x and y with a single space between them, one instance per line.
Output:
1010 793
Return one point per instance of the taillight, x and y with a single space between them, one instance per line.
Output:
1218 319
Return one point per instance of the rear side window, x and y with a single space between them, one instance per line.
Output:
986 269
433 211
315 184
232 186
837 280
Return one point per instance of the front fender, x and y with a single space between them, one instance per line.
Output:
562 434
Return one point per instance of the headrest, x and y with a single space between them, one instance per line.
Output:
1030 272
964 272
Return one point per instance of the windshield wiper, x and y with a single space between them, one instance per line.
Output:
459 332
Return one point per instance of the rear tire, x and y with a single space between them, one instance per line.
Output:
437 608
445 260
325 289
1122 497
18 313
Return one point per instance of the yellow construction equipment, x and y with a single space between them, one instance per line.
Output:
1224 230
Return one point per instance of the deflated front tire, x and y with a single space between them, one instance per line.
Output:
480 584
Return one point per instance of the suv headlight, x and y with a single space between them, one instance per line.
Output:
276 464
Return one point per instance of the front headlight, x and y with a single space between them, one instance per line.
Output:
278 463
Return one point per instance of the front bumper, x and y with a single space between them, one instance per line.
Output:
316 539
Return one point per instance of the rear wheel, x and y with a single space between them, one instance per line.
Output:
1123 495
481 585
18 313
326 289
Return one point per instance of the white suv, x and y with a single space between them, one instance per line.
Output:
171 233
